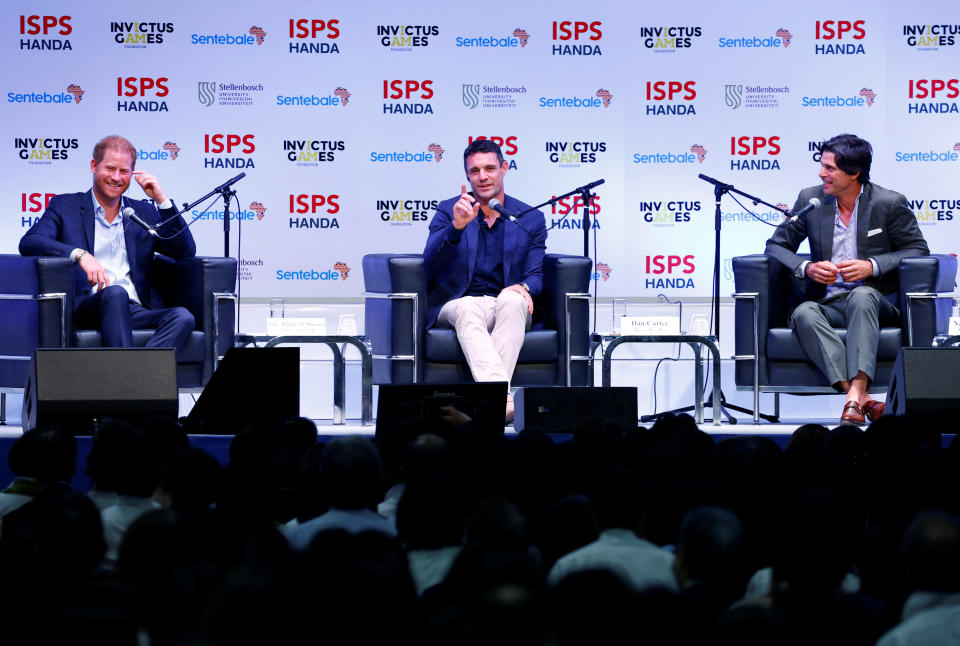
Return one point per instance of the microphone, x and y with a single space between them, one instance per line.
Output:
811 205
128 212
715 182
227 184
496 206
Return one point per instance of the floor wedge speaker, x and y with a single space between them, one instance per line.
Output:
926 382
75 387
562 409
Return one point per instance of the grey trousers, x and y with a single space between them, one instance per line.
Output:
861 311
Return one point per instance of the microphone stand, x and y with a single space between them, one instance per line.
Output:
586 196
228 193
719 190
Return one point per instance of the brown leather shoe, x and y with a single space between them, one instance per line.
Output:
873 410
852 414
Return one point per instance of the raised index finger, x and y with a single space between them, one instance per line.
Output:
463 189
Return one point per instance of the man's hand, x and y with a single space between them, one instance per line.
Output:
823 272
854 270
150 185
96 274
465 210
526 295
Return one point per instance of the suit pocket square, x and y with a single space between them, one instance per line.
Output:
873 232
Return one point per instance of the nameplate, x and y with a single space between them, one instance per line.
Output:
649 325
954 326
297 326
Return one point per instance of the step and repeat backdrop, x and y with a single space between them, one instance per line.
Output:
350 119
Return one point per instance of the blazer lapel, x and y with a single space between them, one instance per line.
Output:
827 217
864 213
509 243
87 220
130 240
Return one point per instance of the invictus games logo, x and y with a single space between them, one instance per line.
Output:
933 210
406 38
44 151
929 38
227 94
669 39
306 152
404 212
572 154
254 36
754 96
668 213
137 34
491 96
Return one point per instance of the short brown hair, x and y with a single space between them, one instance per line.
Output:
116 142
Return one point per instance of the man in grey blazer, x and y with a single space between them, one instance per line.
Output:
858 233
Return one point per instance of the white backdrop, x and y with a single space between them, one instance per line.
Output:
751 86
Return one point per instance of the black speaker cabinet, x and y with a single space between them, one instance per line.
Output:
250 386
74 387
561 409
926 382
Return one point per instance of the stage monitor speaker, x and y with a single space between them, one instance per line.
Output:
926 382
76 387
251 386
561 409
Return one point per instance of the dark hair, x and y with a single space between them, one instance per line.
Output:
852 155
482 146
115 142
47 454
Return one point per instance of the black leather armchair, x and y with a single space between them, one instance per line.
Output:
404 351
37 302
766 294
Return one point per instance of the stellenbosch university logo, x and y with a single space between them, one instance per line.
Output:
601 99
517 38
74 94
254 213
311 211
312 152
336 98
669 39
865 97
168 152
839 37
948 155
934 93
249 268
669 98
406 38
930 38
754 97
933 210
135 34
573 154
433 153
780 38
697 153
577 38
567 213
404 212
491 96
339 271
253 36
230 94
668 213
314 36
45 32
43 151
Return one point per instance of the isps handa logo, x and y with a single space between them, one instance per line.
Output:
229 150
668 98
137 34
252 37
672 271
142 94
339 271
404 212
929 96
577 38
74 94
43 151
32 204
930 38
696 153
566 214
755 153
48 32
842 37
433 153
406 38
601 99
314 36
311 211
407 96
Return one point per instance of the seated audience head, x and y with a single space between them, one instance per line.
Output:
931 549
120 461
710 549
47 454
350 474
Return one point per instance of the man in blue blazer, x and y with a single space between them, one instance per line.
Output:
483 271
858 234
112 254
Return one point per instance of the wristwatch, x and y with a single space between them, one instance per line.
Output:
525 286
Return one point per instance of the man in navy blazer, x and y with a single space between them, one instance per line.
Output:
484 271
858 234
112 254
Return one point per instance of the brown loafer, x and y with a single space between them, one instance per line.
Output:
873 410
852 414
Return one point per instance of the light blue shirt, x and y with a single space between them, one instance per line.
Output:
844 245
110 249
